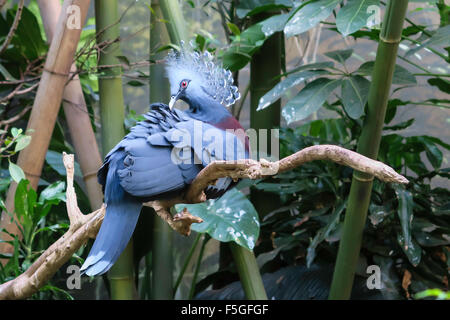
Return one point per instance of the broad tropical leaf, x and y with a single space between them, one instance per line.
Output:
308 16
229 218
355 92
310 99
354 15
291 81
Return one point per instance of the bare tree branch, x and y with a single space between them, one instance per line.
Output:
83 227
2 3
13 27
252 169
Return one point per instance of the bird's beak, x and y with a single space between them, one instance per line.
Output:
173 99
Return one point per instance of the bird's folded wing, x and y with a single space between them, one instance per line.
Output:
202 143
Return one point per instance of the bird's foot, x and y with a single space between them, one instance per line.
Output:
183 220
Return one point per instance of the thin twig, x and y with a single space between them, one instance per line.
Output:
13 27
16 117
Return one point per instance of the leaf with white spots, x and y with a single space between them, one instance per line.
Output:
232 217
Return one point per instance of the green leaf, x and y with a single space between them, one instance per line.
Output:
310 99
200 42
15 132
16 172
401 75
308 16
234 28
229 218
53 228
433 153
252 7
123 60
323 233
413 251
274 24
20 199
54 159
340 55
401 125
22 142
54 191
354 15
441 38
442 84
5 73
355 92
405 214
241 51
437 293
28 35
280 88
311 66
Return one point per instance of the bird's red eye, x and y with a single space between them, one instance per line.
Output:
184 84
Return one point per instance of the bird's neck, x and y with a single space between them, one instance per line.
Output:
208 111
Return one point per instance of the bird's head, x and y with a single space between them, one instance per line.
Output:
197 78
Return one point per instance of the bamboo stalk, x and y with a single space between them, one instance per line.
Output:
186 263
162 263
264 66
176 27
162 246
77 116
197 266
45 109
368 145
248 272
112 111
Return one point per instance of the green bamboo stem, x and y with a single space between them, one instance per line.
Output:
186 263
368 145
264 67
176 27
145 288
248 272
121 275
197 266
162 263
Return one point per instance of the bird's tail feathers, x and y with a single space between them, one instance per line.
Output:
122 213
114 235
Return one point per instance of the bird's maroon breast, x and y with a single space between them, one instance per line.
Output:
230 123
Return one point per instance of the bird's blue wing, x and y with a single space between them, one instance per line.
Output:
148 170
203 143
164 153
